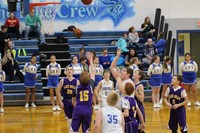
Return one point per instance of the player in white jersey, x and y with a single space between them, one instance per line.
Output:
109 118
53 71
121 77
103 88
155 73
188 70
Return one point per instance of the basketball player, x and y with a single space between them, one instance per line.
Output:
30 70
109 118
139 92
66 88
121 77
130 109
103 88
83 110
53 71
2 79
155 73
176 99
188 70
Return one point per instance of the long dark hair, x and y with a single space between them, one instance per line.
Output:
145 21
130 56
166 59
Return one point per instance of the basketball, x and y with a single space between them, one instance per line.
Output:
86 2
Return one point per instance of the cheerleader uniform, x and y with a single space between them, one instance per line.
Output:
167 76
2 78
98 74
189 70
155 73
105 89
53 72
30 75
134 67
78 69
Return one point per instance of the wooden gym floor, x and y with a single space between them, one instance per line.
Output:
43 120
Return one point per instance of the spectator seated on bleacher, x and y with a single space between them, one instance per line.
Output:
133 38
11 67
161 43
13 25
81 53
13 50
104 59
120 62
147 29
122 44
83 61
132 53
149 51
4 38
33 23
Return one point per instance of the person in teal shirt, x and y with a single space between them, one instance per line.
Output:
121 44
33 23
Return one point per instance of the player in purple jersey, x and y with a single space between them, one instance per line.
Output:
83 110
176 99
66 88
139 93
130 109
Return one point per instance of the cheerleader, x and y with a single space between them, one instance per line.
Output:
77 67
188 69
30 70
166 76
133 64
155 73
53 71
2 78
98 76
103 88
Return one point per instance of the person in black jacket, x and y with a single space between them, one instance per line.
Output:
147 29
149 51
4 38
11 67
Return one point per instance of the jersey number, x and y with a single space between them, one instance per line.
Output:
112 119
84 96
69 92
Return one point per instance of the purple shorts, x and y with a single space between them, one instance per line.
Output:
82 115
131 127
177 116
68 108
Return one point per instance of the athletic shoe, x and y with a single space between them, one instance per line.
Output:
155 105
161 101
189 104
33 105
158 105
197 103
96 107
58 108
26 105
1 110
54 108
